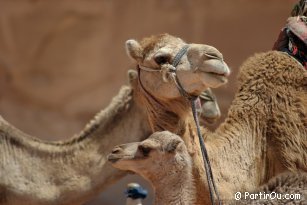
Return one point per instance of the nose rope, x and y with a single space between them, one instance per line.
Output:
192 100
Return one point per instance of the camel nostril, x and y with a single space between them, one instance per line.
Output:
116 150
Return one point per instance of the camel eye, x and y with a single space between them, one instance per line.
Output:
162 59
144 150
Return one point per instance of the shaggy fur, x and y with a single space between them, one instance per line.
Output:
265 132
273 87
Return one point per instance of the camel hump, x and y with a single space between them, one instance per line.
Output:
269 66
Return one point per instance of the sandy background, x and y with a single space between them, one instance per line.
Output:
61 61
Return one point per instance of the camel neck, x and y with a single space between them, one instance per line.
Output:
176 188
112 119
238 134
163 115
239 148
72 169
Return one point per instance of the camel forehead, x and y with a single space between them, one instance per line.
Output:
163 138
154 43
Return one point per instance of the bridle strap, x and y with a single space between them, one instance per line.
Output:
192 99
179 55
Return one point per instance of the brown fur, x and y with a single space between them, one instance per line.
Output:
154 42
273 87
265 132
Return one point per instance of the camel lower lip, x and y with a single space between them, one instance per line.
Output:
222 77
113 158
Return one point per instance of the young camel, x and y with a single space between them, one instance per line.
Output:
264 134
71 172
164 161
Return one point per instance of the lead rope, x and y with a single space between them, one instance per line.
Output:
210 179
192 99
207 165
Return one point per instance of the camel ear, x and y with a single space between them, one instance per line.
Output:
134 50
171 147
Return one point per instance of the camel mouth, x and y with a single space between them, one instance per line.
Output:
113 158
222 77
225 74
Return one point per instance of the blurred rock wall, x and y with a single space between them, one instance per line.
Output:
61 61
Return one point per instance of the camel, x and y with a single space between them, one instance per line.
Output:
72 171
263 135
265 132
164 161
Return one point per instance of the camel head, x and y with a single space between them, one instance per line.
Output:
157 156
200 67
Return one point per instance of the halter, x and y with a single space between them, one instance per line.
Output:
192 99
172 71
